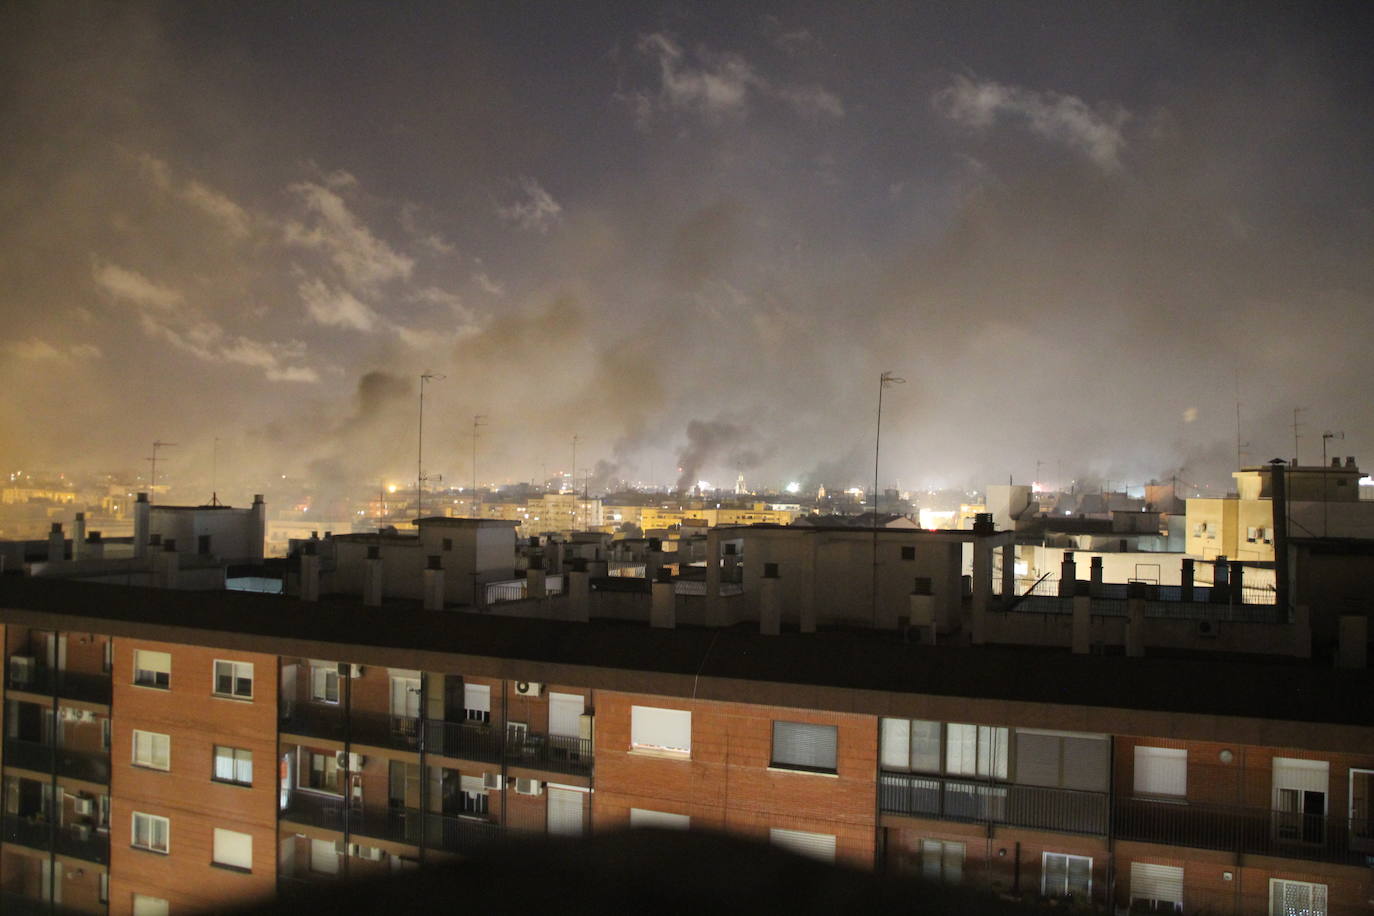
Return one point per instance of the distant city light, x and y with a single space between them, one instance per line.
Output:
391 489
793 487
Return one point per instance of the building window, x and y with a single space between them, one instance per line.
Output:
321 771
448 543
151 832
942 861
802 746
1062 760
233 849
1156 888
473 795
908 553
1296 898
655 729
1300 788
660 820
1066 876
976 750
819 846
233 764
152 750
153 669
324 684
1161 771
324 857
477 703
234 679
911 744
149 906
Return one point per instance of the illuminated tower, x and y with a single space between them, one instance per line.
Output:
739 485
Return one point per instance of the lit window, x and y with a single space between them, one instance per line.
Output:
652 728
802 746
233 849
477 702
233 764
151 832
976 750
321 771
152 750
152 669
1298 898
911 744
324 684
1161 771
149 906
234 679
1156 888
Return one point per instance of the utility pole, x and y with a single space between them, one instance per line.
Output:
152 482
884 380
425 376
477 421
214 473
1326 496
1296 426
575 439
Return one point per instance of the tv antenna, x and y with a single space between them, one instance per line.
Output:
152 474
420 478
478 420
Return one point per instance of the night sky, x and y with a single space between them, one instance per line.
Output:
685 229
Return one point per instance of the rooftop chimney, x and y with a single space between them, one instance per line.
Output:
142 517
79 536
372 577
166 565
434 585
770 601
310 573
663 601
57 544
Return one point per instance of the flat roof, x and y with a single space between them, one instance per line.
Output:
870 672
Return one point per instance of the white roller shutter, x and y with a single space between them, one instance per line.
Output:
896 744
643 817
1303 775
477 696
662 729
472 785
1157 882
565 812
820 846
233 848
565 710
1161 771
324 858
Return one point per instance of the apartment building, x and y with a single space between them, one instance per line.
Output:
172 752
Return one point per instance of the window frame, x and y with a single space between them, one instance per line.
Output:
153 820
941 869
1313 909
661 749
154 684
227 836
327 671
1150 751
234 765
234 680
775 764
1068 891
991 759
150 764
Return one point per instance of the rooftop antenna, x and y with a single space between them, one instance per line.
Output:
1326 436
214 473
575 439
1296 426
477 421
1240 446
152 483
884 380
425 376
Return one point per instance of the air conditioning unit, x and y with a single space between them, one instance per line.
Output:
354 762
528 688
22 668
359 851
491 781
84 807
68 714
1207 628
82 831
87 715
528 787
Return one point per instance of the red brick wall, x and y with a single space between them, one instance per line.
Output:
196 721
727 784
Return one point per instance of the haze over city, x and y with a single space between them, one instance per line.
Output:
691 236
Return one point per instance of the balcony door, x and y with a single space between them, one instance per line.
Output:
1300 790
405 705
1362 810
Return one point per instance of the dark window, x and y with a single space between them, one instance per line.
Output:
908 553
801 746
448 543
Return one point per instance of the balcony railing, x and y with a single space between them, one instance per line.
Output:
399 825
464 741
556 753
1064 810
383 730
315 810
78 841
318 720
34 755
458 834
1252 831
73 685
12 904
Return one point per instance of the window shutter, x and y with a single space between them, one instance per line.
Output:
961 749
642 817
477 696
1157 882
1303 775
803 745
472 785
233 848
925 746
564 812
565 710
666 729
1161 771
1037 759
819 846
1086 762
896 744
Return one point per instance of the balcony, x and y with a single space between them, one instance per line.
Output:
382 730
555 753
463 741
39 757
398 825
1063 810
459 834
315 720
315 810
12 904
72 685
76 840
1249 831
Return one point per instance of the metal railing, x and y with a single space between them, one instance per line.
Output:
72 685
12 904
557 753
398 825
76 840
464 741
1107 606
314 809
380 729
1252 831
1063 810
91 766
459 834
318 720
